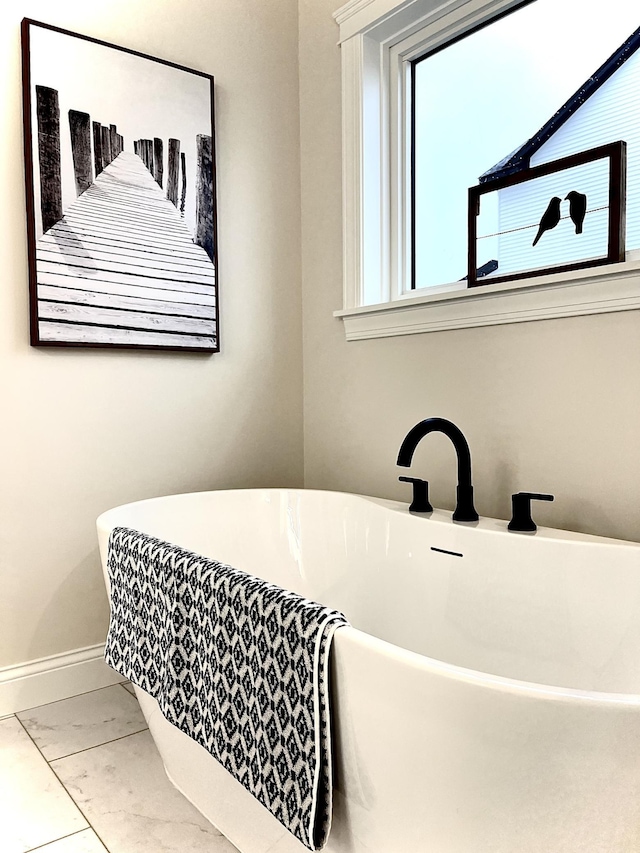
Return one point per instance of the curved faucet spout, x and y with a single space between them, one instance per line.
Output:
465 510
418 432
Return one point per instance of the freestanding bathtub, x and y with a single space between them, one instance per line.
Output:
486 698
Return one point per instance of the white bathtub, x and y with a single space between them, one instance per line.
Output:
485 700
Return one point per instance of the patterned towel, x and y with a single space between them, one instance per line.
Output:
238 664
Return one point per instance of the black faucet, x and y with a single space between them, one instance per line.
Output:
465 510
521 515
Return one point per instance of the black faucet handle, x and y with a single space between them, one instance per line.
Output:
420 501
521 520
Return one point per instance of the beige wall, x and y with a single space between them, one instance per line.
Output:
546 406
83 430
550 406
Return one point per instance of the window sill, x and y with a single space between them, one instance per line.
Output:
598 290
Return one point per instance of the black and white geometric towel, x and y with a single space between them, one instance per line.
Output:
238 664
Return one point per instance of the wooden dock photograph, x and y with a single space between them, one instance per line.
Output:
120 168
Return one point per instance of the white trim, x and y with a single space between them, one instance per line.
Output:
49 679
389 20
349 9
598 290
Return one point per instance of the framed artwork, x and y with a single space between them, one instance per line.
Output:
121 200
565 215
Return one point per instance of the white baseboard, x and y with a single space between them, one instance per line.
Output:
49 679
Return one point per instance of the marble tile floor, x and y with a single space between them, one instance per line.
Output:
83 776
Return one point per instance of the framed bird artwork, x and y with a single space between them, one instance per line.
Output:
563 215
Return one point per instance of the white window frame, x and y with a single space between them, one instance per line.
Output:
378 38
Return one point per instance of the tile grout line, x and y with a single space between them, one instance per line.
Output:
55 701
89 824
95 746
55 841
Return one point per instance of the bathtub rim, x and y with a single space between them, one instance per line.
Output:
440 516
405 657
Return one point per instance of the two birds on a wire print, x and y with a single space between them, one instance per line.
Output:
552 215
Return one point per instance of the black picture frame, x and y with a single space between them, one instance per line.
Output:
121 208
615 152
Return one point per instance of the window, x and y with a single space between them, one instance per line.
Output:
544 79
423 55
